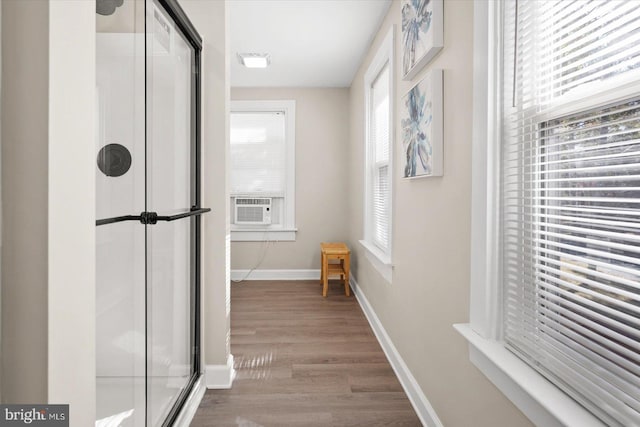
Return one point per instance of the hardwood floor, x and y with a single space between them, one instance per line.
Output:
304 360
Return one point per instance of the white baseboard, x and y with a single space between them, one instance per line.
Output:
276 275
420 403
220 376
191 405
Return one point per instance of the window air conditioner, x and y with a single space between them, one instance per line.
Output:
252 211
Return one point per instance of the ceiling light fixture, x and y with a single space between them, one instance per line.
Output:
255 60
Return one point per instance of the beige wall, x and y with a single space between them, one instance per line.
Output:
25 51
322 132
431 238
48 257
211 20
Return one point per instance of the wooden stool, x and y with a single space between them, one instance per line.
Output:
329 252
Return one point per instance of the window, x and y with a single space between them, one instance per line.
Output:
262 175
378 158
379 163
560 288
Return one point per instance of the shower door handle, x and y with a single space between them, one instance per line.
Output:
152 217
193 212
118 219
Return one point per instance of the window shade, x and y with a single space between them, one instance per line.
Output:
258 162
571 200
380 146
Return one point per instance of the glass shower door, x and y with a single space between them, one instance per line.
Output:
148 210
172 189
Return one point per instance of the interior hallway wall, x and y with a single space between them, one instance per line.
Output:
211 20
322 132
48 108
431 237
25 39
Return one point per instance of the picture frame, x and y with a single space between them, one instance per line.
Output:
422 34
421 122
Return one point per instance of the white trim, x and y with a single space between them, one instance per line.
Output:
384 56
263 235
379 260
191 405
541 401
276 275
289 109
220 376
485 222
418 400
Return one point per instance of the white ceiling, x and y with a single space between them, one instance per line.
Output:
312 43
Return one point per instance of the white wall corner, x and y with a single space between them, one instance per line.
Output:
418 400
220 376
238 275
71 233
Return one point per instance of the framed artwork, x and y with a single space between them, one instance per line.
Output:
422 34
421 124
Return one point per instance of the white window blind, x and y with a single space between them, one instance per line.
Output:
571 199
379 140
258 153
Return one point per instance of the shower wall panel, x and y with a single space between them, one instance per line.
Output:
120 293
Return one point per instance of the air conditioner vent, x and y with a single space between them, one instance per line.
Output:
252 210
244 201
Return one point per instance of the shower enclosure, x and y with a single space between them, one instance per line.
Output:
148 211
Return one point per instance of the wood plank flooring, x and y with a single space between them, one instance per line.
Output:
304 360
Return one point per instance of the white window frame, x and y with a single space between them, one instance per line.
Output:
287 230
378 257
541 401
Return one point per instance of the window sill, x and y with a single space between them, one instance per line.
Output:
541 401
263 235
380 260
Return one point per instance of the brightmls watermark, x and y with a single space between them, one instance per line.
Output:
34 415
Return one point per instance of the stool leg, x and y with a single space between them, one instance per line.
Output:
345 268
325 283
321 268
325 279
